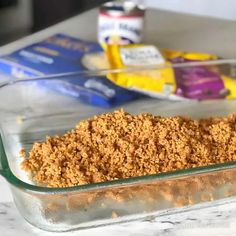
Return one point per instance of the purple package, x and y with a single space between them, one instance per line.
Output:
198 82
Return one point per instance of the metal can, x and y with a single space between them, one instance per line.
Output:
120 23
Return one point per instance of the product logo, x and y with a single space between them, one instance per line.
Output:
93 84
69 44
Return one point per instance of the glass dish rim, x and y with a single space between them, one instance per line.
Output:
6 172
116 70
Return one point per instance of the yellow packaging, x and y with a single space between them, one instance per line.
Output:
157 83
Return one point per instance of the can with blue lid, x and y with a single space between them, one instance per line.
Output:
120 23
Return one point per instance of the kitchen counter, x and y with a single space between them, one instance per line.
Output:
169 30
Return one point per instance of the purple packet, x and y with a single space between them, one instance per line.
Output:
198 82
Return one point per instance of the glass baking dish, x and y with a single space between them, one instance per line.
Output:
32 112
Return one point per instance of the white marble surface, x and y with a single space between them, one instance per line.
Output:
169 30
5 193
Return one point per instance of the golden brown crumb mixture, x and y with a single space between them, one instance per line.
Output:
120 145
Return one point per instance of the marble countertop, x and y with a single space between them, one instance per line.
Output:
216 36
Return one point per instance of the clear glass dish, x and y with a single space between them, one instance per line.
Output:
32 112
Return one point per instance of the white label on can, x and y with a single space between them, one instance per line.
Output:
120 30
137 56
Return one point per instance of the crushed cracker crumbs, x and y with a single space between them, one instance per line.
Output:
120 145
114 215
22 153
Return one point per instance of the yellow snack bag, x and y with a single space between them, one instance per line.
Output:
157 83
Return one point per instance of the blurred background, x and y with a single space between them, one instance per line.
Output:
22 17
